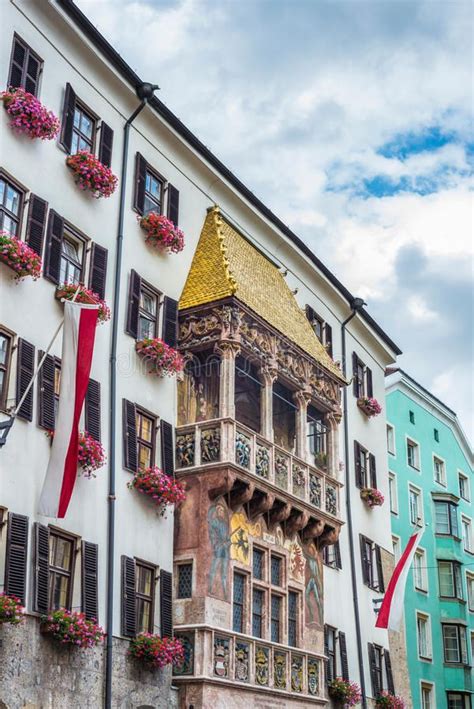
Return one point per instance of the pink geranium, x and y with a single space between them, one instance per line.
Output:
85 295
28 115
72 628
11 610
161 232
372 496
344 691
19 257
369 406
90 174
162 359
90 454
385 700
155 651
161 488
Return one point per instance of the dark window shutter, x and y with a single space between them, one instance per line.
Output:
33 67
358 470
140 180
16 556
54 240
328 338
337 555
170 321
41 569
378 561
36 223
46 416
368 378
167 448
364 561
373 672
343 651
329 676
68 118
166 603
130 451
105 144
98 270
133 304
90 572
388 670
373 470
129 601
17 64
355 383
92 409
173 204
24 372
310 314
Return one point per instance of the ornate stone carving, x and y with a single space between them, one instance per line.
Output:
279 512
185 450
296 673
313 676
220 483
241 494
296 521
329 536
279 670
262 462
221 656
242 661
210 445
281 470
313 529
187 666
260 503
298 479
242 449
315 490
262 665
331 499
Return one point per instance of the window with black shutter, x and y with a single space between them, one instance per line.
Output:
12 196
16 556
380 586
24 373
372 470
98 270
25 67
328 339
375 663
54 240
358 465
41 570
388 672
105 144
36 223
330 652
150 190
361 378
366 560
89 586
48 391
130 449
170 321
129 605
343 653
134 291
167 448
166 603
6 342
92 409
146 438
173 204
140 180
322 329
332 556
368 382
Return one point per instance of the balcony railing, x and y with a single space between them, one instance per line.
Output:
227 441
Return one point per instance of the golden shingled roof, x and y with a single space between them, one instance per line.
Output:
226 264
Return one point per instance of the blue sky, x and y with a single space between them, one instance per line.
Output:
352 120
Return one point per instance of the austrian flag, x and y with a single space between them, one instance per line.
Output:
78 345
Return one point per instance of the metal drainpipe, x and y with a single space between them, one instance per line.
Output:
355 596
144 92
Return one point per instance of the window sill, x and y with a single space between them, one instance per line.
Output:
452 599
421 590
425 659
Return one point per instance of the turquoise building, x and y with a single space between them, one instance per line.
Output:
431 483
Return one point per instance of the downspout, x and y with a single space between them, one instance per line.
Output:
144 92
356 305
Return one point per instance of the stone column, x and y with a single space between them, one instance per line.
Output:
332 421
301 399
228 351
268 374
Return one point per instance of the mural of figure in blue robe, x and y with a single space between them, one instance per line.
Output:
219 537
314 599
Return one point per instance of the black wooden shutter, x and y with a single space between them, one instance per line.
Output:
355 383
329 676
337 555
90 572
130 449
378 561
41 569
105 144
310 314
368 379
343 652
328 338
92 409
357 466
166 603
173 204
17 64
46 416
129 601
364 560
140 180
98 270
170 321
167 448
24 372
372 470
16 556
133 304
388 670
54 240
68 118
36 223
373 672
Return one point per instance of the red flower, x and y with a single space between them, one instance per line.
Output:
162 488
163 359
70 627
28 115
11 610
91 174
19 257
155 651
161 232
85 295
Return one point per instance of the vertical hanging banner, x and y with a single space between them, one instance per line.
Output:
78 346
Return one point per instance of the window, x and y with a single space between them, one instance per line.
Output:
412 416
5 360
61 563
148 312
322 330
427 701
365 468
57 385
185 580
25 67
390 439
153 192
436 435
330 651
371 564
145 439
464 487
457 700
317 434
455 646
238 603
258 563
293 602
376 669
446 518
275 618
83 129
470 592
258 598
72 257
439 471
392 491
450 579
419 570
424 636
145 595
332 555
466 527
396 548
413 454
361 378
11 203
416 507
276 570
151 189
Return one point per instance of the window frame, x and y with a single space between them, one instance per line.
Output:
421 551
459 643
396 547
424 685
437 459
467 486
293 620
140 411
28 50
331 632
276 618
80 105
390 429
426 618
72 234
140 564
335 562
280 564
412 488
470 596
456 575
23 191
261 615
147 288
240 604
452 509
464 696
149 170
410 442
393 499
260 553
467 521
179 565
6 368
72 539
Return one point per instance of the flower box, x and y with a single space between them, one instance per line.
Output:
321 461
92 175
161 359
372 497
28 115
161 488
90 455
154 651
72 628
344 692
385 700
18 256
369 406
161 233
11 610
85 295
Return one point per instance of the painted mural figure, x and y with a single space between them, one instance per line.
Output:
218 524
314 586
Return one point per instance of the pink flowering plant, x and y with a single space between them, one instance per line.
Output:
154 651
344 691
11 610
385 700
162 359
85 295
161 233
72 628
91 175
369 406
19 257
28 115
91 454
372 497
161 488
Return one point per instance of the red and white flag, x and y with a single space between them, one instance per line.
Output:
78 345
391 610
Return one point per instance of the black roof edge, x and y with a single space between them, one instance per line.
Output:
99 41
